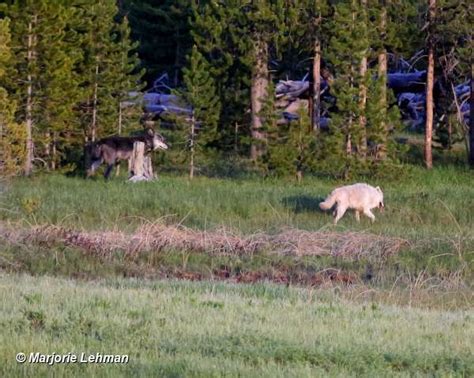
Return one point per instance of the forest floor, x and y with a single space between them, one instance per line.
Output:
238 240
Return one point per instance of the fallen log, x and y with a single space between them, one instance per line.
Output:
413 82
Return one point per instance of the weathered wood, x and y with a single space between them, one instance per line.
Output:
140 166
407 81
316 108
29 97
258 95
429 87
382 72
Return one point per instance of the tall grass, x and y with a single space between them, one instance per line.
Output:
429 204
211 329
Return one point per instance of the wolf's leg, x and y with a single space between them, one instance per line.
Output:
369 214
340 211
357 214
95 164
108 170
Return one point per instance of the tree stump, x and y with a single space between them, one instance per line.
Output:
140 167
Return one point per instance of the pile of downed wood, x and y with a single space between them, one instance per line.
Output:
407 83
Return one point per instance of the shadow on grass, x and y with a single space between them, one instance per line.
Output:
301 204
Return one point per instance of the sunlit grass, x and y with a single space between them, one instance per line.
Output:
428 204
210 329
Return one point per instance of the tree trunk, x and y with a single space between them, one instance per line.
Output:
471 120
47 149
382 72
119 132
94 102
362 108
29 98
363 93
191 147
259 92
54 151
429 87
236 137
316 108
140 166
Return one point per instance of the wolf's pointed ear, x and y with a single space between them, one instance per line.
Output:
378 189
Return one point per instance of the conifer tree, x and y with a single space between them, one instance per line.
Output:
348 48
106 68
43 81
240 54
224 49
128 77
12 146
199 91
455 44
163 32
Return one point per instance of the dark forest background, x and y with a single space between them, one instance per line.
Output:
338 88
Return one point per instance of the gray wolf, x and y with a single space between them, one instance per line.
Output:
359 197
115 148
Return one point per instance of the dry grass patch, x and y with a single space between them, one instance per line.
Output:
160 237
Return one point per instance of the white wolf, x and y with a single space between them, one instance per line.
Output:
359 197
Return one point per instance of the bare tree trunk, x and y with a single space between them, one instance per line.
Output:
429 87
119 132
94 102
259 92
382 71
316 109
236 137
140 167
471 119
54 151
47 149
362 108
29 98
191 146
137 159
363 94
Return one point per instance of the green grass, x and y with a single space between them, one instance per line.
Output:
206 329
409 314
429 204
432 210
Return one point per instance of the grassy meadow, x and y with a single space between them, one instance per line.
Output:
174 329
187 311
429 204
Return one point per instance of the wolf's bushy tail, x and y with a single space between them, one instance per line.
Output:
329 202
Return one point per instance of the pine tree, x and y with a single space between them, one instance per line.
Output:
200 93
455 43
223 48
163 32
291 146
43 81
12 146
107 68
348 48
128 77
240 53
